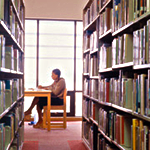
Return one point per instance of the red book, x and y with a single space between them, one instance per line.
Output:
107 91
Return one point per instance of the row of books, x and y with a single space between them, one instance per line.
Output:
88 109
130 93
9 125
20 9
122 13
90 64
125 11
10 57
103 145
93 65
91 13
102 3
86 88
122 49
130 133
105 57
85 108
88 133
10 91
141 47
105 21
91 41
9 17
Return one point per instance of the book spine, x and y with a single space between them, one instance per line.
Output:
135 123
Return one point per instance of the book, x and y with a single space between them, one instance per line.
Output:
9 62
8 93
2 51
130 10
129 96
148 96
135 124
8 120
143 94
2 9
2 136
128 48
127 132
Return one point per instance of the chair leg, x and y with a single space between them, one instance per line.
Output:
64 119
44 118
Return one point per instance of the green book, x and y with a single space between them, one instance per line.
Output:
130 11
127 132
8 98
7 135
8 57
128 48
2 51
129 96
2 9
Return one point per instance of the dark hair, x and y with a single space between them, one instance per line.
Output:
57 72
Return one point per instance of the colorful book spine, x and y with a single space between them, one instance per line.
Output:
135 124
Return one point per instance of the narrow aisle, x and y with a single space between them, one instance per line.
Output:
56 139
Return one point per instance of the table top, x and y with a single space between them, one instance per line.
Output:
36 90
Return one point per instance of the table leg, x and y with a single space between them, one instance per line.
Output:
48 112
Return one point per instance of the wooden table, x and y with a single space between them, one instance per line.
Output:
42 93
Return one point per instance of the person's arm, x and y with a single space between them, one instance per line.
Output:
45 87
58 89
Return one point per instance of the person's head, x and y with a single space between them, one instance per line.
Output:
56 74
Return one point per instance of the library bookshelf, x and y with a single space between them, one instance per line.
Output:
116 75
12 14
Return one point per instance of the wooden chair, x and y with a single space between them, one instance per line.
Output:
62 120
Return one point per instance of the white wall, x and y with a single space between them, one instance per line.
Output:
55 9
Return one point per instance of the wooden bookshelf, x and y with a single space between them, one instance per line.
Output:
12 73
123 87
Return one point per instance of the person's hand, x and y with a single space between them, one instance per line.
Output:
47 88
40 87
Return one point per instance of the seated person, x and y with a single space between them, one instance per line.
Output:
57 89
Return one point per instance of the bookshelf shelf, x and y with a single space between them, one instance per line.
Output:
92 26
143 66
145 118
8 109
107 36
122 109
94 77
125 29
86 74
5 70
95 122
10 40
93 52
106 70
108 4
86 51
125 65
87 96
106 137
85 118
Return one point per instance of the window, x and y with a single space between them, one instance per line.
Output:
30 53
56 50
51 44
